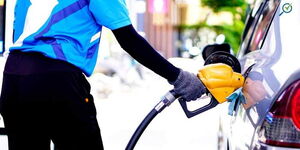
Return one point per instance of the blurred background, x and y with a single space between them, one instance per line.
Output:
183 27
125 91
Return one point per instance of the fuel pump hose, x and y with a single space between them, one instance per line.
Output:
166 100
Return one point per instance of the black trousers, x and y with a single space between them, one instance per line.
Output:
54 105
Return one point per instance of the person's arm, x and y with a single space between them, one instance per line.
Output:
143 52
113 14
186 85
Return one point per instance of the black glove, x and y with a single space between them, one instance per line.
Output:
188 86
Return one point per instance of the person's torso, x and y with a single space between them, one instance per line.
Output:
59 29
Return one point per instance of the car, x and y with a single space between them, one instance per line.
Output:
270 118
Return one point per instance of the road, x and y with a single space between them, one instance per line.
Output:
121 112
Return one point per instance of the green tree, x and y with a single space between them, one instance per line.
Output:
238 9
217 5
233 31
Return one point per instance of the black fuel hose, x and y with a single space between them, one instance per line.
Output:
165 101
139 131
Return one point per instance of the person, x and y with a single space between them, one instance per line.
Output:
45 95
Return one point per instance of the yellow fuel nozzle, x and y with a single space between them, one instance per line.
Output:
220 80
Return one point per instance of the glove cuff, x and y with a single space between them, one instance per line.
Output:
178 79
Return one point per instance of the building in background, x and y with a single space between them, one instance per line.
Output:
2 27
161 19
176 27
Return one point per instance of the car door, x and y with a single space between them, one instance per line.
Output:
260 47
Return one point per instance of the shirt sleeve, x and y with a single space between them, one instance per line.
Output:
112 14
144 53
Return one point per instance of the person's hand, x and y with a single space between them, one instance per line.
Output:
188 86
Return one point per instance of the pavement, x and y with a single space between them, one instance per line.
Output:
170 130
120 113
122 105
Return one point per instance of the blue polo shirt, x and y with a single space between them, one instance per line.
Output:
67 30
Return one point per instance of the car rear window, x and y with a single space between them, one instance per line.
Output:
264 21
263 25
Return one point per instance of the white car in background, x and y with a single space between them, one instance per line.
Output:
270 119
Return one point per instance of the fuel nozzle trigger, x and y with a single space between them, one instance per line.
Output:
213 103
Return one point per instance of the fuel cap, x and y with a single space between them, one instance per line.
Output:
224 57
